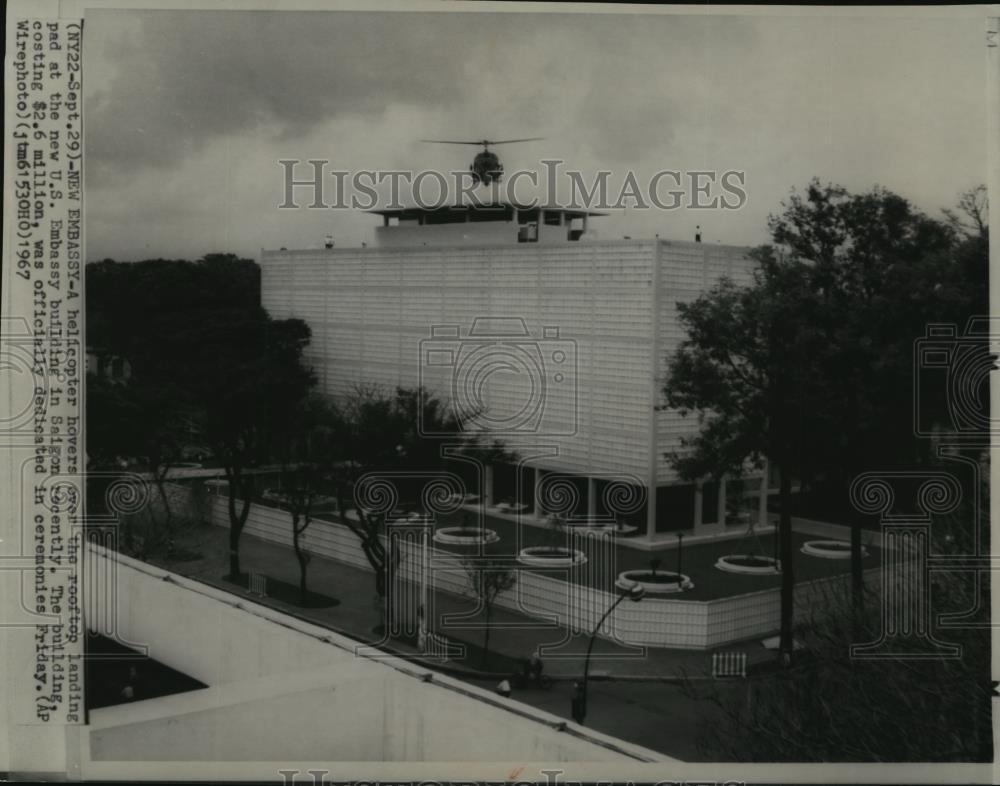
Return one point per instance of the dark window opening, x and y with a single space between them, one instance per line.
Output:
446 217
501 213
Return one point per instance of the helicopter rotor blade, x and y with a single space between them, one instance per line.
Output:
450 142
510 141
484 142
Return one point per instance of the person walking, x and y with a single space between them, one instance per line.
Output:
535 667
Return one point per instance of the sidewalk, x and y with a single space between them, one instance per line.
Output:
513 635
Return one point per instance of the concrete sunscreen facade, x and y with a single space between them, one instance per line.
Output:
608 308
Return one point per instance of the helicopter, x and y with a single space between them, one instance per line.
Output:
485 167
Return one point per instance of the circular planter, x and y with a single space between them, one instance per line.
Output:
830 549
461 499
602 526
508 507
748 564
411 519
662 583
551 557
465 536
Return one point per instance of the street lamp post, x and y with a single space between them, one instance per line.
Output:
635 593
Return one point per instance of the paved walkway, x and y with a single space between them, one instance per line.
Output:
358 613
635 696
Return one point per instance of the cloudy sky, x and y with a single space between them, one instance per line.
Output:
187 113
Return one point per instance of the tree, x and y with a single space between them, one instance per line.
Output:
812 365
743 368
376 431
134 308
248 376
879 271
200 346
554 532
972 217
380 431
489 577
299 491
151 424
304 450
835 708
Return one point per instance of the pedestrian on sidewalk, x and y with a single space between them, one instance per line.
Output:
535 667
504 688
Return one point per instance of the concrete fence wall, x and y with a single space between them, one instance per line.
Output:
657 622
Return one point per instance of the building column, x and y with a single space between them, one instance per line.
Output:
423 609
488 486
651 511
699 501
722 500
534 492
591 498
762 502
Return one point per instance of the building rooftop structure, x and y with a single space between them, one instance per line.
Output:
475 224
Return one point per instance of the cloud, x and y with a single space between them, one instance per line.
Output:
175 80
183 79
187 112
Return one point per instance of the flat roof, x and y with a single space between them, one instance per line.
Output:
416 212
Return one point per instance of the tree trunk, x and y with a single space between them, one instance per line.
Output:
390 595
234 552
367 531
301 556
787 575
384 603
160 479
236 520
303 592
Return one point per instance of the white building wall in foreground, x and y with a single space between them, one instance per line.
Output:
282 690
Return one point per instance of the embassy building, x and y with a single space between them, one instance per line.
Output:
522 320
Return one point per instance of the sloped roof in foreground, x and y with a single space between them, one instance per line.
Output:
281 689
